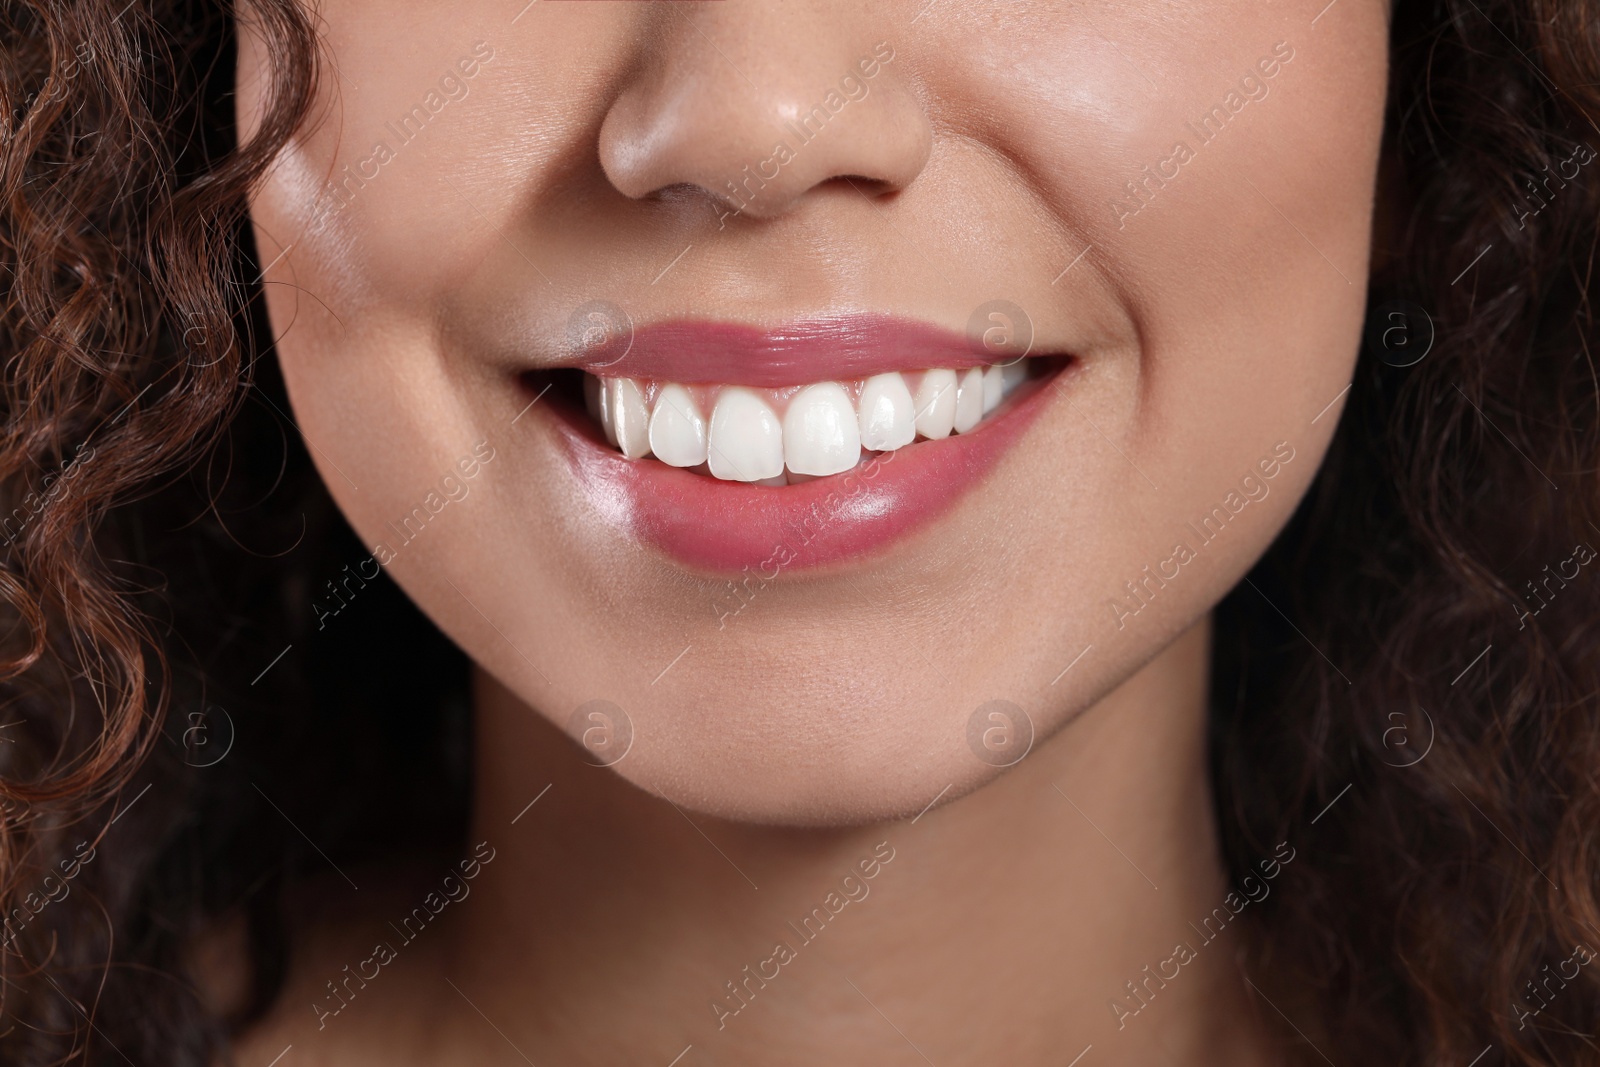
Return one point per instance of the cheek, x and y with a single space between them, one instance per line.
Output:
1245 276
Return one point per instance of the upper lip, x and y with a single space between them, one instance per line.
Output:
798 353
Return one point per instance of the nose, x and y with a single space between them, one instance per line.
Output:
760 105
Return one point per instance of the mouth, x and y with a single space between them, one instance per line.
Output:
781 437
733 449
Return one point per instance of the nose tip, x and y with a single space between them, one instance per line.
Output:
691 121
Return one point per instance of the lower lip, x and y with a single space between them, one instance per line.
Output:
730 527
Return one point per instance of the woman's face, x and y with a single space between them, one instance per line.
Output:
766 242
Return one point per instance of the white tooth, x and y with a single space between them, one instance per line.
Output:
677 430
604 414
936 404
820 434
630 417
969 400
746 441
1013 375
993 387
888 417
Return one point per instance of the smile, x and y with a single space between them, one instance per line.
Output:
778 437
735 449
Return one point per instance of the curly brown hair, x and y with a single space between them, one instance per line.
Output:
144 426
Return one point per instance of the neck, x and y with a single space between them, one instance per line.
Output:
1022 923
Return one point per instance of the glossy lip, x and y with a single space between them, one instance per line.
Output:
853 346
732 527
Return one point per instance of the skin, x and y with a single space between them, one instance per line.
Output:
1214 327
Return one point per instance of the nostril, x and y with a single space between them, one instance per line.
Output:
873 187
691 196
678 192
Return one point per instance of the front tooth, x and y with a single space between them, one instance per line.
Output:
993 387
630 417
677 431
1013 375
969 401
936 404
746 441
888 416
820 433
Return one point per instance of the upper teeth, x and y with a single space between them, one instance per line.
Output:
758 435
